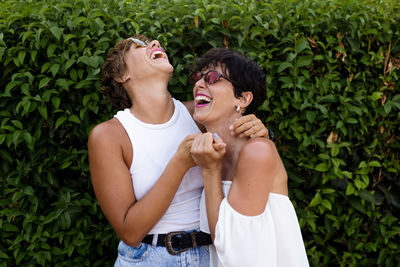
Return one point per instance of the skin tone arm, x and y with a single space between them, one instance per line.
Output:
245 126
110 157
256 167
208 156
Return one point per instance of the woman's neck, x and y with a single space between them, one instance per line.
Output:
152 103
234 145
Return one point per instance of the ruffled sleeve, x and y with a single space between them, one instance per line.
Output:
237 235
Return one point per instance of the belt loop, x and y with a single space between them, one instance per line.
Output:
155 238
193 236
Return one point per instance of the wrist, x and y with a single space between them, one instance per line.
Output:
180 164
211 171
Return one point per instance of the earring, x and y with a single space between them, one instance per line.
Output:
237 108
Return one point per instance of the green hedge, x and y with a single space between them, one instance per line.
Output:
333 102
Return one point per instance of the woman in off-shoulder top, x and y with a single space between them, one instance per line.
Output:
245 204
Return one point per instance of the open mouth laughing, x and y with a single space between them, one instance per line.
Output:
157 54
202 100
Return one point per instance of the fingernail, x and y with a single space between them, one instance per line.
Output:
216 136
231 127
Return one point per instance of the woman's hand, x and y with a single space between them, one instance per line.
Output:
249 126
208 150
183 152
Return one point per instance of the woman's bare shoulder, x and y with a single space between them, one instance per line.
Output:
259 150
106 129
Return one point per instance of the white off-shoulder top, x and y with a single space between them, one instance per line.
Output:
272 238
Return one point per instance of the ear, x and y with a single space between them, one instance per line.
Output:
122 79
246 98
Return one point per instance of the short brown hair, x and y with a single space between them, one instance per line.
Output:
114 66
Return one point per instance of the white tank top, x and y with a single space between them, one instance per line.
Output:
153 146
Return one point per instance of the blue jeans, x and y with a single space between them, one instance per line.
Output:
148 255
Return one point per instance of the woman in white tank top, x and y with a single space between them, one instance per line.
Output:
245 205
142 172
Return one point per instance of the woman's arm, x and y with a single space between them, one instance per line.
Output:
245 126
109 168
258 168
208 155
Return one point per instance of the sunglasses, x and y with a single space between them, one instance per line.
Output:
142 43
210 77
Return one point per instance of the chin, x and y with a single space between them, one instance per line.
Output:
197 116
168 68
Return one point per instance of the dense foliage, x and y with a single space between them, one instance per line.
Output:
333 101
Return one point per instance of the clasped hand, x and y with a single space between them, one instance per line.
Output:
245 126
208 150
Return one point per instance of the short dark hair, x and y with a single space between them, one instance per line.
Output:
243 71
114 66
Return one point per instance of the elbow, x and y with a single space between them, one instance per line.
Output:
132 242
130 239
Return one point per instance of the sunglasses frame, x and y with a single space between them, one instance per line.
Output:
141 43
204 74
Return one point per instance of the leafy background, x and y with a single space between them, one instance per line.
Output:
333 102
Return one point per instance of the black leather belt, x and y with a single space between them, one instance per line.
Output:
178 242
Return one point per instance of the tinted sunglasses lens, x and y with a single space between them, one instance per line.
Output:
194 77
211 77
138 42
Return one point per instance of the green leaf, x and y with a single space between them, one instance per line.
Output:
10 86
326 204
74 118
28 137
322 167
63 84
44 82
66 164
56 102
374 163
51 49
367 196
2 52
21 56
86 99
315 201
2 138
10 228
359 184
82 84
17 196
310 115
6 156
54 69
304 61
351 120
350 189
56 32
283 66
45 66
322 108
69 37
69 63
17 124
60 121
2 254
43 111
301 45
